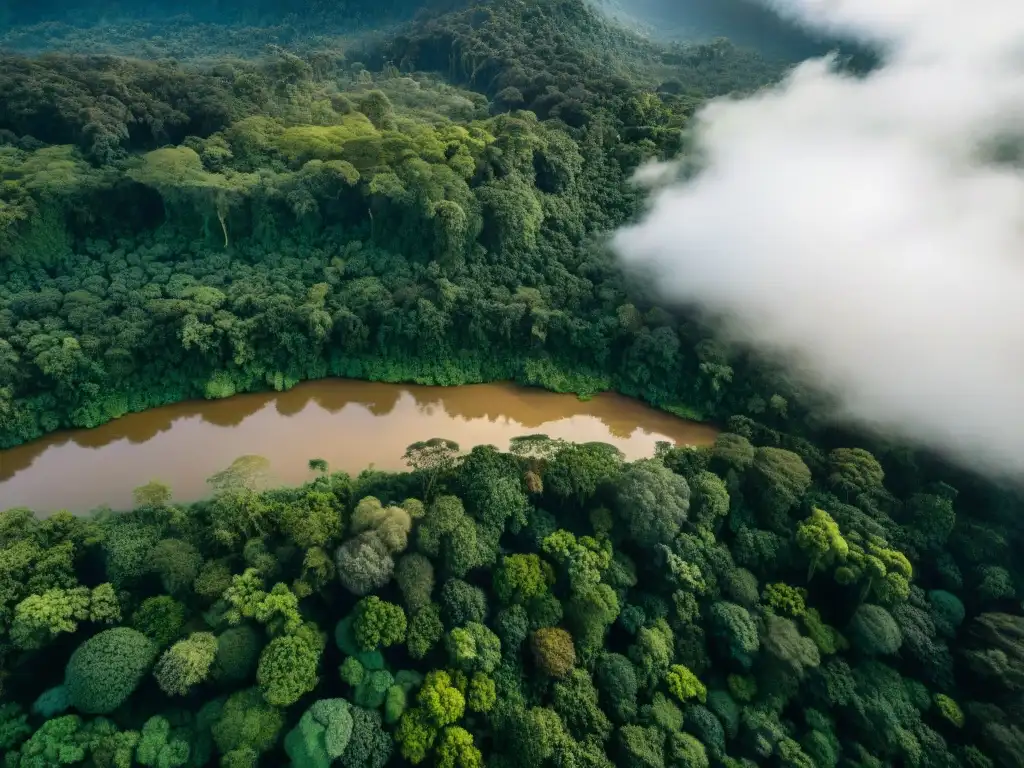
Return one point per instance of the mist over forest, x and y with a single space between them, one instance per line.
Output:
682 203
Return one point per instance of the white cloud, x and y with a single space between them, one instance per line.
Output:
855 225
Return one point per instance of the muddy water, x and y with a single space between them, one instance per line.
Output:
351 424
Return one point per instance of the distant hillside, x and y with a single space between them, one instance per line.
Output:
745 22
255 12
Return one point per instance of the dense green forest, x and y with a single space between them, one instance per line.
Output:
171 231
552 606
430 203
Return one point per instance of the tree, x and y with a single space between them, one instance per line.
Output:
997 649
441 702
653 502
177 563
683 684
177 173
819 536
186 663
246 726
553 651
161 619
287 669
106 669
874 631
577 470
781 477
521 577
238 651
157 747
733 624
641 747
433 459
321 735
415 576
474 648
425 630
616 680
462 603
364 564
378 624
455 749
854 471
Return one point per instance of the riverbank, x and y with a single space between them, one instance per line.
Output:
351 424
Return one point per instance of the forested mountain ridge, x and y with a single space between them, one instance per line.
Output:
170 230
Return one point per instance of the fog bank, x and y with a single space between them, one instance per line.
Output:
862 230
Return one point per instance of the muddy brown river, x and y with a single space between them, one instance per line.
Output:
351 424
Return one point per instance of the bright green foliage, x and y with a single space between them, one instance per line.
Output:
684 685
278 609
378 624
57 742
158 748
684 751
416 734
288 669
949 710
442 703
38 619
247 723
455 749
395 702
786 600
474 648
521 577
481 695
819 537
104 670
186 663
321 735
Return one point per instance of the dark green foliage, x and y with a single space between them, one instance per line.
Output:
462 603
370 746
238 650
428 205
160 619
874 631
104 670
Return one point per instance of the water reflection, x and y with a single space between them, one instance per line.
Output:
351 424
